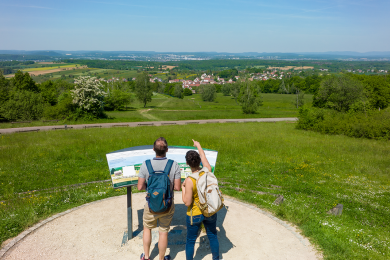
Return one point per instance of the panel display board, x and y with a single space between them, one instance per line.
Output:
124 164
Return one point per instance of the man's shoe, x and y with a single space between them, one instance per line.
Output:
167 257
143 257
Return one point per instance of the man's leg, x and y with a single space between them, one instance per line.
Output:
147 239
165 225
150 222
162 244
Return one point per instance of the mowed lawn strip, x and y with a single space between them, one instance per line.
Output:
313 172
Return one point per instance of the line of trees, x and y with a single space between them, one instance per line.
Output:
242 64
353 105
23 99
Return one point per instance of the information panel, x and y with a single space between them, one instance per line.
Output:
124 164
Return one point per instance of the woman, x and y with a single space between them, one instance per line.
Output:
190 196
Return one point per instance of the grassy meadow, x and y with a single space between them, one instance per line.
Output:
165 107
314 172
58 66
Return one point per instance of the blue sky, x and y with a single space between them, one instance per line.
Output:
214 25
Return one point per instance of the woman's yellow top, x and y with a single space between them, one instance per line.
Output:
195 209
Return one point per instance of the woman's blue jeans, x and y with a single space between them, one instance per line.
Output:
192 233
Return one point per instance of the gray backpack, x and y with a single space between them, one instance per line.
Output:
210 197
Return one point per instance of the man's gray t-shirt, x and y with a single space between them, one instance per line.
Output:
158 164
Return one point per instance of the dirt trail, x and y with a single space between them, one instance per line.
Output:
163 103
144 113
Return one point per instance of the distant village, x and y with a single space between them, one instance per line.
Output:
211 79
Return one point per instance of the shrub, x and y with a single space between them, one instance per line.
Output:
65 108
88 95
371 124
23 105
116 100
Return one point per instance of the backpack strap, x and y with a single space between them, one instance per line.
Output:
168 167
149 166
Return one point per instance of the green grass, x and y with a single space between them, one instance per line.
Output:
94 72
164 107
315 172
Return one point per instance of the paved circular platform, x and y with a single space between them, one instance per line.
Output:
96 231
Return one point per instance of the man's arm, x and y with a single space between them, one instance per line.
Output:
142 177
177 184
177 178
141 184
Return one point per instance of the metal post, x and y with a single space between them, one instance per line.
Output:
129 215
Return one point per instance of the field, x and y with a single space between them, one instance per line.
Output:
52 67
164 108
292 67
48 68
313 172
49 62
70 74
50 71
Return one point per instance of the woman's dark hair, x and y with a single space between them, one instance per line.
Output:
193 159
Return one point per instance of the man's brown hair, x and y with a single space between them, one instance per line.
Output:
160 146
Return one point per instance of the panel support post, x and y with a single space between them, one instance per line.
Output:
129 215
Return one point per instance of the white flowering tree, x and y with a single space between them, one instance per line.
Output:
88 95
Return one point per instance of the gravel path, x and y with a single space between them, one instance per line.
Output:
96 230
134 124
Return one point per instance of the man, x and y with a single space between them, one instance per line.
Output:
150 220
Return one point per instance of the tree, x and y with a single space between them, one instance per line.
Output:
178 91
209 93
235 91
249 98
156 86
187 92
23 82
299 99
293 89
218 88
143 88
88 95
49 92
4 91
340 93
282 88
226 89
4 88
377 90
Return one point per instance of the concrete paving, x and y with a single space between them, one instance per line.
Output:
134 124
96 231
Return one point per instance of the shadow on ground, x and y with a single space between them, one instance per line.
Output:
177 235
